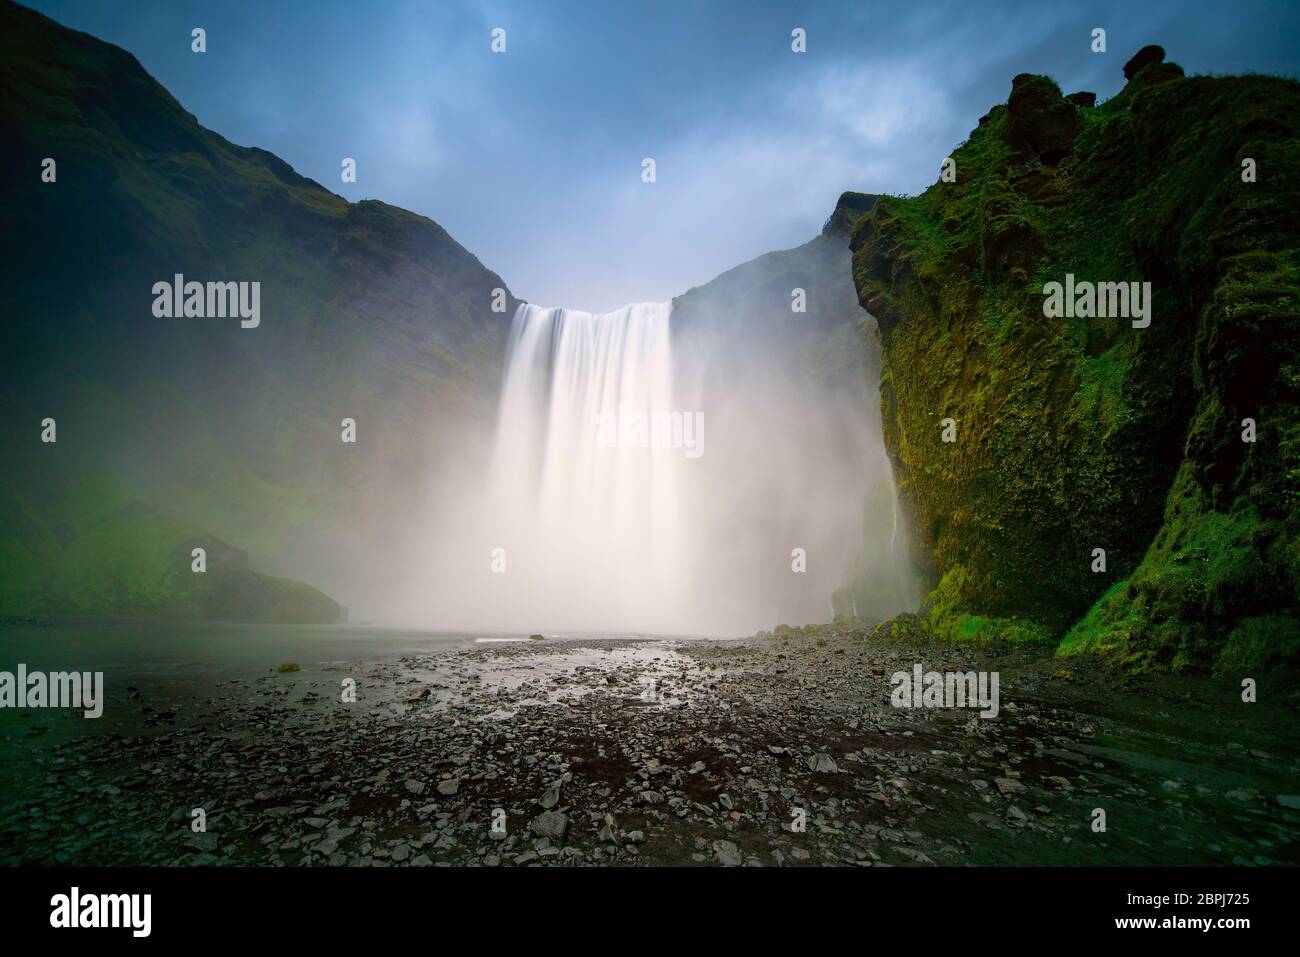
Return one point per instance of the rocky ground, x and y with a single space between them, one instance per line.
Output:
768 751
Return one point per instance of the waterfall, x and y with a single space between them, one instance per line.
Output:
605 510
587 513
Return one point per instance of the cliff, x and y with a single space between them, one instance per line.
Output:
1072 433
168 428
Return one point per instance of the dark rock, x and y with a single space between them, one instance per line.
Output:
1043 122
1144 57
1158 73
1083 98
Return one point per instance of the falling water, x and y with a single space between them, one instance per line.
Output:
756 520
591 528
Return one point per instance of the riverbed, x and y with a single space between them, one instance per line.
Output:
388 748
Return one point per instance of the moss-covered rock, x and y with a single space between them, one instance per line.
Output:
1076 434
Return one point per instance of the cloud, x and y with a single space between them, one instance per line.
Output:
531 159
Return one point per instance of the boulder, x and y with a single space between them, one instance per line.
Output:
550 824
1144 57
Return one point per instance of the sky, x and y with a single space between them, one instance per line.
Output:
532 158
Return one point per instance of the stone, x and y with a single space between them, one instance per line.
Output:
550 797
727 854
550 824
822 764
1008 786
1144 57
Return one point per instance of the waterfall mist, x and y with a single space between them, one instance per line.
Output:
665 468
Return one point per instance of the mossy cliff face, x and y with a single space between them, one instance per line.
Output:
1076 434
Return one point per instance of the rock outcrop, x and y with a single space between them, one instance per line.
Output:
1174 447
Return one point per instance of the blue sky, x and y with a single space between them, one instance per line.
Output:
532 158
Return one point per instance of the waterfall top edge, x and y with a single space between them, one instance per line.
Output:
665 307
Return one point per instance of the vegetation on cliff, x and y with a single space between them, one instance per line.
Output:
1077 434
168 428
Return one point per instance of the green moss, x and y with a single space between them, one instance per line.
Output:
1076 434
948 620
1261 644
